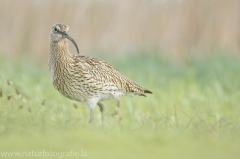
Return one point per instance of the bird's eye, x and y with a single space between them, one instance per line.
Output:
55 29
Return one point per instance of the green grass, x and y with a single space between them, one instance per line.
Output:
194 111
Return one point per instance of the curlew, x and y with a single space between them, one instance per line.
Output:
85 79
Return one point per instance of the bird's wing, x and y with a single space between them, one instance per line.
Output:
104 76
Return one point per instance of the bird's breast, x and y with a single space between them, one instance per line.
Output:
65 82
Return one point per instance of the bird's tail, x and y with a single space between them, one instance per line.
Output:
147 91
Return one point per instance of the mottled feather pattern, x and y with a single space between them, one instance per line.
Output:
106 77
82 78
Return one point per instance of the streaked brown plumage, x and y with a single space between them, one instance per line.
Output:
85 79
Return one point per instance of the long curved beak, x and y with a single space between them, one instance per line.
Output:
65 34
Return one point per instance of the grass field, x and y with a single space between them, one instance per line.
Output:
194 111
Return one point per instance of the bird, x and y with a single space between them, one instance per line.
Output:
85 79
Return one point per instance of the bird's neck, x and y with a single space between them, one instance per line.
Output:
59 51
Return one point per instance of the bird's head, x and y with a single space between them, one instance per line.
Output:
60 32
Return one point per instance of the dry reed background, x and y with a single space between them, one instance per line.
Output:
178 27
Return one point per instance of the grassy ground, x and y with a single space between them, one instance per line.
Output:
193 113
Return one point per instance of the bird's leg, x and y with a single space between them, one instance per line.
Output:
91 116
101 106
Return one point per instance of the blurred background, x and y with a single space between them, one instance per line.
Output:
178 28
185 51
